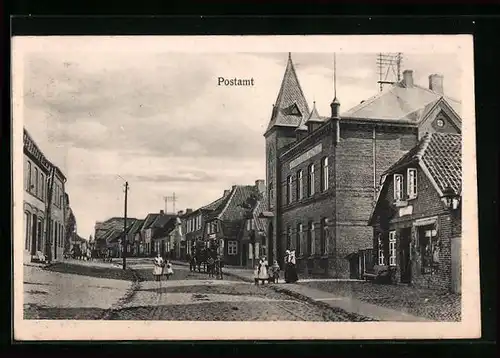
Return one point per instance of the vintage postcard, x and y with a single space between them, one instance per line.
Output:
246 187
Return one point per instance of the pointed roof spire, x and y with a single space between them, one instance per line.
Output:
291 106
314 115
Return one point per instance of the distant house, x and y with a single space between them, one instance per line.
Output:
417 217
107 230
134 238
160 230
225 226
147 232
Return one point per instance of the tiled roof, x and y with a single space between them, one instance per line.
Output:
165 229
399 102
215 204
136 226
162 220
441 153
260 208
291 106
313 117
150 219
115 223
233 210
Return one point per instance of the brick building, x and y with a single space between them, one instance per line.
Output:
226 226
44 217
322 172
417 219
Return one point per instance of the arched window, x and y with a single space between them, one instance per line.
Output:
289 189
311 180
300 186
324 174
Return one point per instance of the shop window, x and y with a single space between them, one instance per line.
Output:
232 247
429 249
392 248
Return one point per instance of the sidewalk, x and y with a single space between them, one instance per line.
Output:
56 292
348 304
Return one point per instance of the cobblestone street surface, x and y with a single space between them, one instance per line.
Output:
430 304
192 296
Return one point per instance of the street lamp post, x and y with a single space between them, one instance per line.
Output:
124 255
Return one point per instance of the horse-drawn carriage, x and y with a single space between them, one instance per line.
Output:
206 260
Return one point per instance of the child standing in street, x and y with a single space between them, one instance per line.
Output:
256 274
170 270
158 266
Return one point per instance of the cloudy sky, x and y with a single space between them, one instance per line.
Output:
159 119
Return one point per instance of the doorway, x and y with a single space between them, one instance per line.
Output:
244 254
404 254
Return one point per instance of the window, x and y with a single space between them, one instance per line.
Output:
300 186
429 248
289 189
289 238
271 193
27 230
324 174
28 176
392 248
299 238
412 183
324 233
39 235
311 239
232 247
381 258
250 224
35 188
42 186
311 180
440 122
398 187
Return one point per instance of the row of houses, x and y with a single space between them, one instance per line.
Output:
232 224
48 221
375 188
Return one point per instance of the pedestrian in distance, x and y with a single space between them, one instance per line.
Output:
263 274
256 274
158 267
290 268
169 269
274 272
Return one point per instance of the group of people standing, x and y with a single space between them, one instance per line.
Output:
263 272
290 268
161 267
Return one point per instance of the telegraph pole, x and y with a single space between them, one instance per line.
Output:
124 255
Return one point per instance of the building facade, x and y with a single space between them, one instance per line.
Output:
417 219
323 172
44 215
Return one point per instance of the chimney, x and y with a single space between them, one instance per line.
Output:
189 211
408 78
226 193
162 212
260 184
180 213
436 83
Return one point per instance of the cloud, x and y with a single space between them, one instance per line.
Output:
161 121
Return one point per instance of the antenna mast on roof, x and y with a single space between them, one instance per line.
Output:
172 198
389 68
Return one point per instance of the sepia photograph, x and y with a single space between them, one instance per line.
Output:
177 187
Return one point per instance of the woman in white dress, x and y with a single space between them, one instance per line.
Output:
158 266
170 270
263 274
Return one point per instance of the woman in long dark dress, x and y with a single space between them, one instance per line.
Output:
291 270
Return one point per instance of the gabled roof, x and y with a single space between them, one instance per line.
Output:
259 208
233 208
400 102
162 220
136 227
149 220
441 154
440 157
216 204
166 228
291 106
